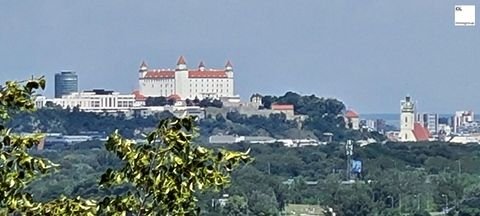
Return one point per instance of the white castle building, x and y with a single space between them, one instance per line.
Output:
184 83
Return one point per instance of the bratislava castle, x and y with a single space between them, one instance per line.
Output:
185 83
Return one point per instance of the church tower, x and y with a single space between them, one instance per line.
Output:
407 120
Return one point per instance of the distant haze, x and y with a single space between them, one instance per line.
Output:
367 53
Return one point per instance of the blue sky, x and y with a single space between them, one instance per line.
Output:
367 53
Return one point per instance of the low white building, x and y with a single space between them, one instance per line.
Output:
97 100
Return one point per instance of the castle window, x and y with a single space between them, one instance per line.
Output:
406 120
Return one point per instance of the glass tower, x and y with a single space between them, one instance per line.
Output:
66 82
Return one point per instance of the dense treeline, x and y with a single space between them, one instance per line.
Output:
407 177
397 178
163 101
57 120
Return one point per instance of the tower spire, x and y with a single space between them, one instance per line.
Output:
201 66
143 66
181 60
229 66
181 64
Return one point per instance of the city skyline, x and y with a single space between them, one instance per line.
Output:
368 54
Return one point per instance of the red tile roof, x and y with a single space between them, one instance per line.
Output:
197 73
175 97
420 132
181 60
282 107
165 74
351 114
138 96
207 74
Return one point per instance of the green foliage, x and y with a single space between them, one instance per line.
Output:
17 167
156 101
236 206
167 171
159 178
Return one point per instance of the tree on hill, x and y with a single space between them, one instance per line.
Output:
324 114
156 101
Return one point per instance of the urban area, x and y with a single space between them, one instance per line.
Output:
239 108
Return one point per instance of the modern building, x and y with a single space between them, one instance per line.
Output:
97 100
187 83
410 131
66 82
462 118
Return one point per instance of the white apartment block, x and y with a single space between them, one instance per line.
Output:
186 83
461 118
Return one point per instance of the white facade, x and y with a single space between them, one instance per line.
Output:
187 83
407 121
92 101
461 118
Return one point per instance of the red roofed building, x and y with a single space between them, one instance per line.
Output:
420 132
193 83
174 97
138 96
287 109
282 107
352 120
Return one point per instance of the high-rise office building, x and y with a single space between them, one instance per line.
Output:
66 82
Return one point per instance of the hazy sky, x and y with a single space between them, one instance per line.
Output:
368 53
